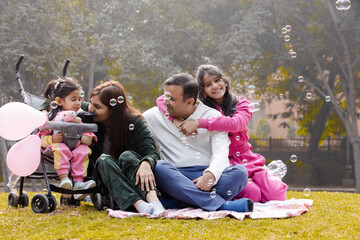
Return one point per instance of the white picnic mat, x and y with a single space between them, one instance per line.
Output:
271 209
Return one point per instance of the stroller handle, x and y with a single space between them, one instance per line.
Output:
17 74
17 67
65 67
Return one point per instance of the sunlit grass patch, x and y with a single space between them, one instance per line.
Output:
333 215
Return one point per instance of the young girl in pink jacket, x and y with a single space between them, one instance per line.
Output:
214 92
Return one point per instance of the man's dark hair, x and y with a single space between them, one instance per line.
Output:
190 87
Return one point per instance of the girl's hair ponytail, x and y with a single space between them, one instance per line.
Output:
61 88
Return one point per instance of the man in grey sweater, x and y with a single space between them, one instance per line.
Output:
195 171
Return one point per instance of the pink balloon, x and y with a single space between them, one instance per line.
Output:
24 157
18 120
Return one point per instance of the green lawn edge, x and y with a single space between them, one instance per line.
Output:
333 216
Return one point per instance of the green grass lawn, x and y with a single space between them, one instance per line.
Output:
333 216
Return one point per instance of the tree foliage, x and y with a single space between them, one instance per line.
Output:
141 43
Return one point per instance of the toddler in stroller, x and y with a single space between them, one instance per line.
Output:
71 133
65 96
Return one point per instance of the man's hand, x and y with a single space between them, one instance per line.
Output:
189 126
145 176
57 138
205 182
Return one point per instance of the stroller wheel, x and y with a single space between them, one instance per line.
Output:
52 203
97 200
13 199
24 200
40 203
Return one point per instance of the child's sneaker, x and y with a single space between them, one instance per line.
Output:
81 186
65 184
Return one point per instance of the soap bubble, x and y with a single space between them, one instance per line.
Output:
213 194
327 99
102 156
81 94
281 96
307 192
343 4
120 99
229 192
300 78
251 89
308 95
286 38
293 158
245 162
210 182
277 168
197 155
253 107
237 138
131 126
167 95
293 54
112 102
237 154
288 28
54 104
283 30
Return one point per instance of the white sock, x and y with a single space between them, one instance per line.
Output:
158 208
145 207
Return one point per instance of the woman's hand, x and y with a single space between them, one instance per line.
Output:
205 182
189 126
145 176
57 138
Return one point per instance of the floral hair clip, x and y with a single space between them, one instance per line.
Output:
56 85
114 101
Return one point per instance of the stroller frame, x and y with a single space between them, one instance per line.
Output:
43 203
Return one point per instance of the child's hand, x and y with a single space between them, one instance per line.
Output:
77 120
189 126
57 138
86 140
177 121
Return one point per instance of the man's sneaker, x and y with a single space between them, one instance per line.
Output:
82 186
66 184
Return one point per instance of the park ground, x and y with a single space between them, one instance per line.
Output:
334 215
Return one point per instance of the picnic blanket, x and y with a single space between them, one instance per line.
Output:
271 209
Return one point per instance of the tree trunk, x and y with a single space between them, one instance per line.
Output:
5 172
91 75
356 154
316 130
